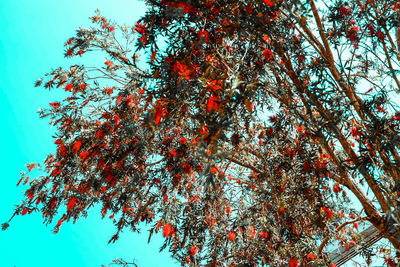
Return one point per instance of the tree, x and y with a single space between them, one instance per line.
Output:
245 136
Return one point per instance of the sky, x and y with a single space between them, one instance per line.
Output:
33 33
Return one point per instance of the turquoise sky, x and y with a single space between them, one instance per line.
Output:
32 36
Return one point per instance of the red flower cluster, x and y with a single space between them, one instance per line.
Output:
76 146
212 103
293 263
269 3
168 230
193 251
232 236
55 105
182 69
328 213
268 54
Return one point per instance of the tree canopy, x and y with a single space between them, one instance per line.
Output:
249 133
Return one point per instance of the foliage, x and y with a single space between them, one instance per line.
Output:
242 137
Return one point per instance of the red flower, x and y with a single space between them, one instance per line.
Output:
69 87
55 105
380 108
263 235
111 28
328 212
141 28
182 70
232 236
203 34
268 54
83 155
336 188
53 203
273 118
152 58
344 11
354 131
143 39
194 250
269 3
76 147
252 231
228 209
59 223
71 204
56 171
290 152
160 113
212 103
182 140
83 86
381 36
111 180
109 63
31 166
214 85
310 256
293 263
168 230
24 211
371 29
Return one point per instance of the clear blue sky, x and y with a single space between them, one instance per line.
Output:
32 36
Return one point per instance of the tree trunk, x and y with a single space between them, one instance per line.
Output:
389 228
